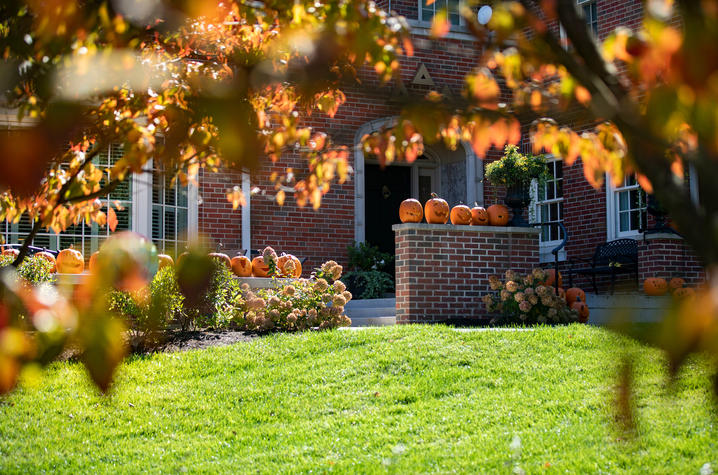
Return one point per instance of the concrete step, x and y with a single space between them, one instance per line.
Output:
390 302
374 321
634 307
369 312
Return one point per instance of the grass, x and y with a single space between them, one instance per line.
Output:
402 400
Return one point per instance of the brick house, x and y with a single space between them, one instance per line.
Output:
366 206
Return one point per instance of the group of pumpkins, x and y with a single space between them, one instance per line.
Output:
575 297
437 211
656 286
71 261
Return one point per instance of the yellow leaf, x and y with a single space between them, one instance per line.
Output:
440 25
280 197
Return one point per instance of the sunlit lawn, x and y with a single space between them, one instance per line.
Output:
405 399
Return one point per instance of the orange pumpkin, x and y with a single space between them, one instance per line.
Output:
49 258
259 268
93 261
411 211
498 215
676 283
221 257
561 293
582 310
11 252
550 279
241 266
684 292
460 215
479 216
574 294
436 210
165 261
655 286
282 263
70 261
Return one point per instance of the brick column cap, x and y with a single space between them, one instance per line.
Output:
464 228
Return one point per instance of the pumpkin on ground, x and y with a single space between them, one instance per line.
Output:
550 279
436 210
221 257
70 261
655 286
498 215
676 283
259 268
574 294
460 215
479 216
241 266
289 270
582 310
165 261
411 211
49 258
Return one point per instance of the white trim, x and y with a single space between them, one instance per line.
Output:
246 216
192 210
142 202
693 184
612 231
534 211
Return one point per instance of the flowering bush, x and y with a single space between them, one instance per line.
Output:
526 300
33 269
296 305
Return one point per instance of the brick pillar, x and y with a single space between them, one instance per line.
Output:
668 256
443 270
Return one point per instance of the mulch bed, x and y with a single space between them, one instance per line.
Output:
177 340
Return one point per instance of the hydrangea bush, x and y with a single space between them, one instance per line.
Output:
296 305
525 299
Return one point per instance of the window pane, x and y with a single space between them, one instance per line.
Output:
623 201
157 222
624 222
169 226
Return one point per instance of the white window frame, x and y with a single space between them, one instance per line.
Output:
437 6
612 210
545 247
563 40
141 211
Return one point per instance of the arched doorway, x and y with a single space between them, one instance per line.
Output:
456 175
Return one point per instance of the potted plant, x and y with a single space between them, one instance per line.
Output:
515 171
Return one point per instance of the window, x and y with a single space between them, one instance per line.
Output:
170 214
149 204
590 15
626 208
548 208
84 238
452 7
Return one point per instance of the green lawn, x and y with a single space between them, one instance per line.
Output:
404 399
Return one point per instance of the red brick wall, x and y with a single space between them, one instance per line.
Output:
668 258
442 270
325 233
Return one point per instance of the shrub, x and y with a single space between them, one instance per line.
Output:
215 308
149 312
371 284
296 305
34 270
527 300
371 271
515 168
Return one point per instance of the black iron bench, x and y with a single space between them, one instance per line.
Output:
611 258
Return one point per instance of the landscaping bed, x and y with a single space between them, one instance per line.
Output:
404 399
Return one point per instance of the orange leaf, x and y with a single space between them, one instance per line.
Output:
645 183
440 25
582 95
112 219
677 168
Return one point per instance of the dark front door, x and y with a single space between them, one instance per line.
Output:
385 190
